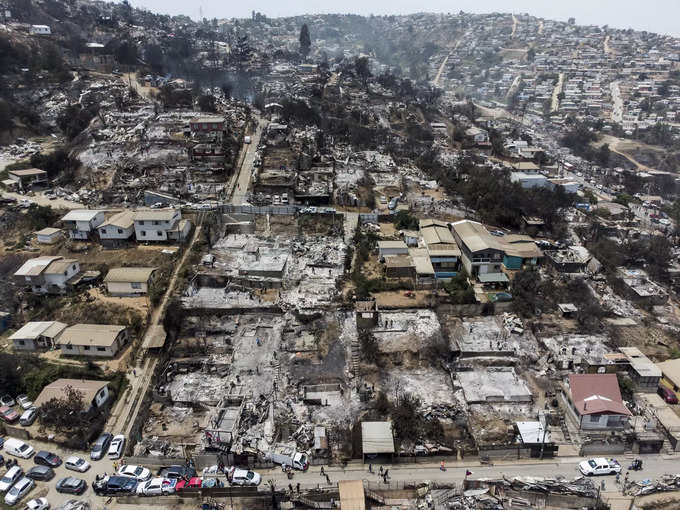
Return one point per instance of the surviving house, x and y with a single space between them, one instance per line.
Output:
441 247
208 127
94 393
103 340
160 225
129 281
49 235
118 229
82 223
33 336
387 248
594 402
28 177
48 274
642 370
488 257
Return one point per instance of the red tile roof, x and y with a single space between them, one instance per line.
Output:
596 394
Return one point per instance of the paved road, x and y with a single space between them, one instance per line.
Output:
554 106
617 102
514 25
240 182
41 199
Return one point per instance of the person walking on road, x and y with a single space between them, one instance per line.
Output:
322 471
442 467
370 468
298 488
380 473
328 479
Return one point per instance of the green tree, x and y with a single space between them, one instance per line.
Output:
305 40
363 70
531 54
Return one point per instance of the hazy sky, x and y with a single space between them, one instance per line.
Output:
653 15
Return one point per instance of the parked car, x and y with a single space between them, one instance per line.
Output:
8 414
20 489
238 476
74 504
157 487
71 485
192 483
667 394
24 402
28 417
112 485
177 472
42 473
37 504
10 478
501 297
599 466
141 474
18 448
117 446
7 400
101 446
45 458
76 464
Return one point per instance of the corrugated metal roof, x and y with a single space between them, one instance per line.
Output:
437 235
377 437
57 389
392 244
100 335
32 330
671 370
81 215
155 214
28 172
123 219
48 231
60 266
35 267
129 274
352 495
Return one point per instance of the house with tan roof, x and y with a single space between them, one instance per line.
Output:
96 340
441 247
37 335
118 229
94 393
154 225
129 281
48 274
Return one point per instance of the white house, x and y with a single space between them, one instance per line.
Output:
161 225
386 248
40 30
527 180
37 335
129 281
95 393
49 235
82 223
118 229
26 178
102 340
48 274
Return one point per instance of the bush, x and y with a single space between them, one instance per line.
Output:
405 221
369 346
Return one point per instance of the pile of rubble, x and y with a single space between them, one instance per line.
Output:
513 324
581 486
666 483
154 447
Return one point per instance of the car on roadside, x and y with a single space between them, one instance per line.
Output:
101 446
18 448
194 482
12 475
76 464
116 448
599 466
177 472
8 414
667 394
41 473
37 504
157 487
24 402
114 485
71 485
245 477
141 474
28 417
45 458
20 489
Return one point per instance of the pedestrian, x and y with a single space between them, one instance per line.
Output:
441 466
602 485
322 471
134 372
381 471
328 479
290 488
618 478
370 468
386 474
385 477
298 487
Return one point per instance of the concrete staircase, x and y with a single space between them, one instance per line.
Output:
356 356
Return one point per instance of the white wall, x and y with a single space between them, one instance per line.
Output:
112 232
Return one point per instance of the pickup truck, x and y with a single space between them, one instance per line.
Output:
288 456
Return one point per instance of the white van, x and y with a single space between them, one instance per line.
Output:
18 448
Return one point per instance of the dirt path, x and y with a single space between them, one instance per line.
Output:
515 22
513 87
617 102
540 27
123 416
619 146
607 48
131 79
240 181
555 104
446 59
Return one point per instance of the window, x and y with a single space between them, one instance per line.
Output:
155 223
69 347
159 233
101 349
143 233
86 348
22 342
74 267
594 418
141 222
120 230
103 230
136 285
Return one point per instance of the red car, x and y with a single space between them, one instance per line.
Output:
8 414
667 394
193 483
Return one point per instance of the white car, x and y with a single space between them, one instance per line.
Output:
157 487
76 464
10 478
38 504
117 446
238 476
20 489
141 474
24 402
599 466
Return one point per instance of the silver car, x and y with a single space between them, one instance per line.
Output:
20 489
